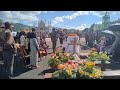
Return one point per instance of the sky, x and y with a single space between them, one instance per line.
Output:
62 19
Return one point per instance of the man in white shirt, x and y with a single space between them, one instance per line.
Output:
23 43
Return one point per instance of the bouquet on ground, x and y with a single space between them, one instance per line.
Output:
57 58
88 70
95 56
67 70
103 56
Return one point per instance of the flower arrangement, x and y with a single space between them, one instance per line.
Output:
58 58
71 66
67 70
72 34
90 71
94 56
103 56
73 70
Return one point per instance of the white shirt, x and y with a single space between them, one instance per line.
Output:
22 40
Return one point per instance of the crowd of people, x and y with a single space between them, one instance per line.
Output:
101 41
25 43
32 42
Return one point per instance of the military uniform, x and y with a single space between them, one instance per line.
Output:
8 54
54 37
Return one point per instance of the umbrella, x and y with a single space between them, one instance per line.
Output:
108 32
114 27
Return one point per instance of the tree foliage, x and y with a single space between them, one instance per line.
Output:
1 22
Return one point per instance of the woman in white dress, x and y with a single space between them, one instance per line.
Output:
34 47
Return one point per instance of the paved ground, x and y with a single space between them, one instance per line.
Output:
22 73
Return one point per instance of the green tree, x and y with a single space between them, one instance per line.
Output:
1 22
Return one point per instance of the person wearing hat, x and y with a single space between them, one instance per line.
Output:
9 50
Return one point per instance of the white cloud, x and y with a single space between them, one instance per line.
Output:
81 27
101 13
100 22
80 13
70 17
17 16
21 16
74 15
57 20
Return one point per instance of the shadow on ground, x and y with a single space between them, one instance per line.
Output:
47 71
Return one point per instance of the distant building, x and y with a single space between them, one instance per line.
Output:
105 23
41 24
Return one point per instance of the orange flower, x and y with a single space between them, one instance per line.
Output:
89 55
61 66
72 34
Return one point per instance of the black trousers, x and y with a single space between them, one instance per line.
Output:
8 59
61 41
86 40
1 55
54 45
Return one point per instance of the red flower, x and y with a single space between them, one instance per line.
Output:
69 62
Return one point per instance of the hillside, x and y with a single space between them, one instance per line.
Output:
18 27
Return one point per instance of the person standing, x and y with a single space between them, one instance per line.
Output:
34 47
1 48
86 38
91 39
54 38
9 51
61 37
23 43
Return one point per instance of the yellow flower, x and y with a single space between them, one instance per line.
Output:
95 54
89 64
82 72
69 71
98 74
91 75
